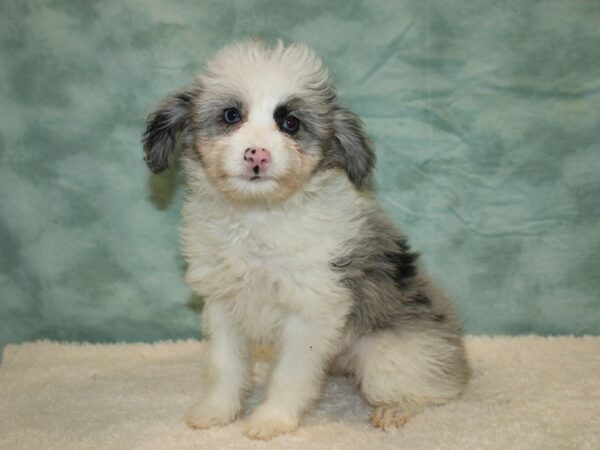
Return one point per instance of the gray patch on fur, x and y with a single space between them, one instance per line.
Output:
315 119
314 114
388 289
350 148
208 115
391 293
165 126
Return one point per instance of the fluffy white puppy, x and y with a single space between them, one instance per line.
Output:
288 247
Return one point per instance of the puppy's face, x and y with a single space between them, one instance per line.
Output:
261 121
262 117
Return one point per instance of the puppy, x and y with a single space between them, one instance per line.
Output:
288 247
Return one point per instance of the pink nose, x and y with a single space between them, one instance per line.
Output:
257 159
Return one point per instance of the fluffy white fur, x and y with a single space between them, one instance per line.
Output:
269 281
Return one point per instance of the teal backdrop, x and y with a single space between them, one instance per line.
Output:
485 115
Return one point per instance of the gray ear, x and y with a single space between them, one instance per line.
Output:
164 127
352 149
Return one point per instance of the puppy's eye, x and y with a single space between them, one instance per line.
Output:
231 115
290 124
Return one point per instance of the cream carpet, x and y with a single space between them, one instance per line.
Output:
526 393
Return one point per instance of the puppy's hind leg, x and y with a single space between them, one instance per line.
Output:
402 372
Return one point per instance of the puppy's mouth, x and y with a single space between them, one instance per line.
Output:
257 178
253 185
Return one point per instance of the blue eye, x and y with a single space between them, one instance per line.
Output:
290 124
231 115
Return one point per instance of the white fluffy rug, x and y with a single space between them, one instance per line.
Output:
526 392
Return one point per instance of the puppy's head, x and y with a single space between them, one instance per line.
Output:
261 121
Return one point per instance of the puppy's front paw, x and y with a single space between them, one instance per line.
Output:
266 423
206 415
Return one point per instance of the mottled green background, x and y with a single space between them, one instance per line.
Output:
486 117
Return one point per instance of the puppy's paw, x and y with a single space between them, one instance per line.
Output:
205 415
385 417
266 423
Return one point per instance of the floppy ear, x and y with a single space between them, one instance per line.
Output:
352 149
164 126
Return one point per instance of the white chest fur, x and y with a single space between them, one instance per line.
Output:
264 262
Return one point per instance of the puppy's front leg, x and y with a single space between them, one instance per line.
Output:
296 377
227 371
